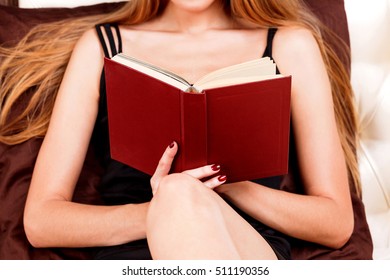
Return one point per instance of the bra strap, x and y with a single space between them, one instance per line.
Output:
110 37
270 38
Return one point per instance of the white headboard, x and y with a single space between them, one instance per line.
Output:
59 3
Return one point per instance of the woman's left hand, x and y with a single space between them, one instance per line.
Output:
200 173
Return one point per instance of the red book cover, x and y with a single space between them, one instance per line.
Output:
243 127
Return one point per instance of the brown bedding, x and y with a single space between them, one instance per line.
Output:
16 162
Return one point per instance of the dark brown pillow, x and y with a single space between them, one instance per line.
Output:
16 22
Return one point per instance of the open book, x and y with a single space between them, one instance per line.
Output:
250 71
238 117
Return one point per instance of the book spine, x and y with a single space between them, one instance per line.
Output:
193 146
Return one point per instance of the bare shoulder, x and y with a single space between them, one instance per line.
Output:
295 40
87 56
89 43
295 48
86 61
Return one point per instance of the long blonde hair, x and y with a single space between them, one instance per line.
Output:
36 66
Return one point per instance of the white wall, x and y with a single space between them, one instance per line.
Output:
369 27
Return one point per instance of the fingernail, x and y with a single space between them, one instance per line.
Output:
222 178
215 167
171 145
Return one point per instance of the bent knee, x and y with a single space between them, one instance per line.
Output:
179 183
183 190
181 196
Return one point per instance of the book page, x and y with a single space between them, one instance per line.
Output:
153 71
249 71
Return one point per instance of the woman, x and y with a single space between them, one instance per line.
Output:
186 218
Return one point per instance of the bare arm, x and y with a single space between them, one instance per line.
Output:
51 219
325 214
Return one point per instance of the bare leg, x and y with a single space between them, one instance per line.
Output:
187 220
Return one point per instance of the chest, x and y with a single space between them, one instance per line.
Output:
192 56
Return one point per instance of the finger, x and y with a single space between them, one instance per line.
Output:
204 171
165 163
215 181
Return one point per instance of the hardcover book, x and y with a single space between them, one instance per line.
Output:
237 117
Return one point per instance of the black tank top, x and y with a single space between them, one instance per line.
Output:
122 184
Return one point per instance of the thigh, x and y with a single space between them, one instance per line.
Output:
249 243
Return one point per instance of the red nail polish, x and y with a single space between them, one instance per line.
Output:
222 178
171 145
215 167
